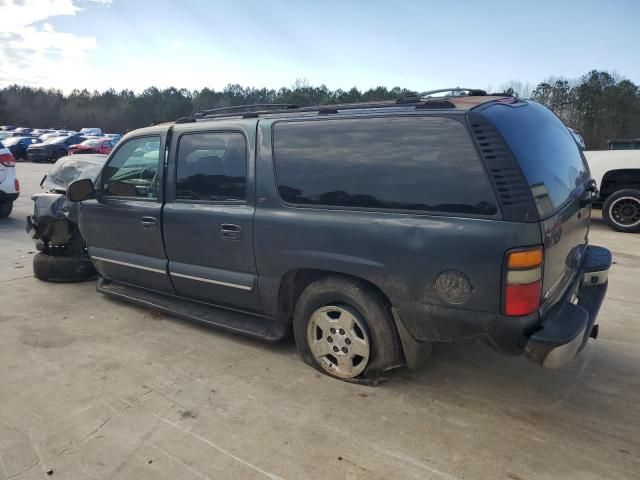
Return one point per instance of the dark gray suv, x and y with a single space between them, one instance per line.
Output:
370 230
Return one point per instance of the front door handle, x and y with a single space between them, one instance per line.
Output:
149 223
231 231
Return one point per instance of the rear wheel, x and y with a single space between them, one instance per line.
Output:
51 268
621 210
344 329
5 209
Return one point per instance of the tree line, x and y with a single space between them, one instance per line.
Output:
598 105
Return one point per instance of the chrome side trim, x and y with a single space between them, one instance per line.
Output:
140 267
215 282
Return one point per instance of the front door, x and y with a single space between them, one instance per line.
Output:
208 217
122 226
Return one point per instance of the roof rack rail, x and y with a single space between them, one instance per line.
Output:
322 109
456 91
237 110
252 107
252 111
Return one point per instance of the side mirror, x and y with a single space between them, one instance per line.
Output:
80 190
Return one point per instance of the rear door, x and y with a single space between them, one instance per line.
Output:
208 216
122 225
557 174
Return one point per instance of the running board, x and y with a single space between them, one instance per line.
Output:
229 320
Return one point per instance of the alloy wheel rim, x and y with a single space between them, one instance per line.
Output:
625 212
338 341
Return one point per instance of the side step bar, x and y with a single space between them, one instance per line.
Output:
229 320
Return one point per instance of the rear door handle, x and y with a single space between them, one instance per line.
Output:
231 231
149 223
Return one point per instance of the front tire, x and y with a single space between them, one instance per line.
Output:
51 268
5 209
621 211
344 328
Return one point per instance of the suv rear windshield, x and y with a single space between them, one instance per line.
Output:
546 151
426 164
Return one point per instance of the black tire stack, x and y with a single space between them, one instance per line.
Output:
51 268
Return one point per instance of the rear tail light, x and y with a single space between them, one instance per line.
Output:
522 281
16 184
7 159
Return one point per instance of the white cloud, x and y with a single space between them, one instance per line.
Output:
40 55
175 46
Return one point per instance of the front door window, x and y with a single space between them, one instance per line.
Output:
133 171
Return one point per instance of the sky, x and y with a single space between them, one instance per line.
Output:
419 45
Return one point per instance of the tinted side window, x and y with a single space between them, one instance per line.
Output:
212 167
404 163
546 151
133 170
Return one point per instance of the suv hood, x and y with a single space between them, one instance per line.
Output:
69 169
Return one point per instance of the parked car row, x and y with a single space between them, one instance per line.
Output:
31 136
50 146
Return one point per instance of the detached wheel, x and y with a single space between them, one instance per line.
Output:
344 328
621 211
50 268
5 209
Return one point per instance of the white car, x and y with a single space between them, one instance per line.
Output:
617 176
86 132
9 185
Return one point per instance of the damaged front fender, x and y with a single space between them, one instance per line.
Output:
53 223
50 206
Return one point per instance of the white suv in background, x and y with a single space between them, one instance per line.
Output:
9 185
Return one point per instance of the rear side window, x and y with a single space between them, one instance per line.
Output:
426 164
212 167
546 151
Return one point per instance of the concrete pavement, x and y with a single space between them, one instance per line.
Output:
95 388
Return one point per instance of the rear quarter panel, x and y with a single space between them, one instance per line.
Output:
401 254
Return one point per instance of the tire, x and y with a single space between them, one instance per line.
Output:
344 329
50 268
621 211
5 209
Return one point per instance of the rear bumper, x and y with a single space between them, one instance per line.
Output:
564 330
8 197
